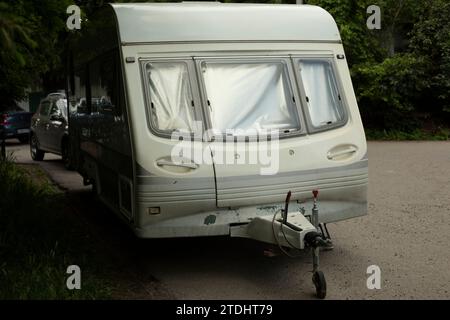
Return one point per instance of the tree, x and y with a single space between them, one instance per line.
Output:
401 69
30 35
12 31
16 40
430 40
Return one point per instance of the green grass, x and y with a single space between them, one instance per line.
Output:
416 135
39 239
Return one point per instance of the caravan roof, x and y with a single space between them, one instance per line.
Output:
182 22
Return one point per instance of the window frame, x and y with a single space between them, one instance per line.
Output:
296 61
193 85
201 110
288 73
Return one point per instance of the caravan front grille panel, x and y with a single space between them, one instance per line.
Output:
332 182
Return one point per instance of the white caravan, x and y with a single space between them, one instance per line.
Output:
197 119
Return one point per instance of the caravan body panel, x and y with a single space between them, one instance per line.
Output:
202 195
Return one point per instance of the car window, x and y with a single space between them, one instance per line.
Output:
45 108
54 110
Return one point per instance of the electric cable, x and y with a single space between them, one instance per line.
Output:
277 240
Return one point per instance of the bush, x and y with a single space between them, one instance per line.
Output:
387 92
430 39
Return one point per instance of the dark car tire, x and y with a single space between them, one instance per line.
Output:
65 154
36 153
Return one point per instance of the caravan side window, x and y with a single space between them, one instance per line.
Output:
78 103
324 102
171 103
103 84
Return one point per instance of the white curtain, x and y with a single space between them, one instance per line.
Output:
323 103
171 96
248 96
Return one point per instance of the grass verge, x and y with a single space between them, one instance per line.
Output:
39 240
416 135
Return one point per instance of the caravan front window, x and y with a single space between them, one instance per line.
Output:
171 102
322 95
249 95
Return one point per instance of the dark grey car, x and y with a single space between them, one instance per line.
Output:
15 124
49 128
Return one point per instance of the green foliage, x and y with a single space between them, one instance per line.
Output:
39 240
387 91
414 135
430 40
12 30
360 44
392 87
30 36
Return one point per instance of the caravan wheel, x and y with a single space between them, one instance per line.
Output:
320 284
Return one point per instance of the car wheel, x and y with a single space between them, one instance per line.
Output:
36 153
